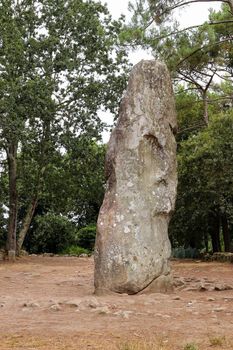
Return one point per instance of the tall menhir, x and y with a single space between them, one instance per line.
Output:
132 246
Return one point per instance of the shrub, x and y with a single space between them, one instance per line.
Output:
86 237
75 250
191 346
217 341
185 253
178 253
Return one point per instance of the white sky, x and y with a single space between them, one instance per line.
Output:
193 14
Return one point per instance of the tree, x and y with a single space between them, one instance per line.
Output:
196 56
59 63
52 234
205 192
74 182
72 194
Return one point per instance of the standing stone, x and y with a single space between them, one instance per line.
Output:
132 245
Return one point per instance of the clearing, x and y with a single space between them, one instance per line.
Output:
47 303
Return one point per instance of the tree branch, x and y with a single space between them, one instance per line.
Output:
181 4
222 98
196 126
190 28
189 79
185 90
203 47
209 82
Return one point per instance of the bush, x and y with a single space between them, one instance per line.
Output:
75 250
191 346
52 234
86 237
185 253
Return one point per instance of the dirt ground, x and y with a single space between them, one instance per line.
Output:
47 303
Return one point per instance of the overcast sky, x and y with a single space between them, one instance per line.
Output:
193 14
190 15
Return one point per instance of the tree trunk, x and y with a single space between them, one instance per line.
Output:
226 233
205 103
214 230
206 242
30 212
26 224
13 198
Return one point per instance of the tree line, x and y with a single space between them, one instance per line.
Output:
200 59
60 63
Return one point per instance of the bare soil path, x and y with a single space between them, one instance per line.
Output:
47 303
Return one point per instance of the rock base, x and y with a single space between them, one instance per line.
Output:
162 284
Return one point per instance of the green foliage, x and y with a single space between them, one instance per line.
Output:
51 234
74 182
205 165
75 250
84 167
73 187
86 237
195 56
189 113
60 63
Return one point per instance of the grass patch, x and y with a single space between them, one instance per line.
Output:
137 346
142 345
190 346
217 341
19 342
